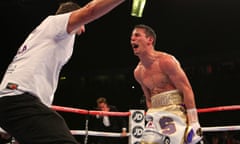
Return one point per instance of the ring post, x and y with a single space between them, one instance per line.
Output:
136 126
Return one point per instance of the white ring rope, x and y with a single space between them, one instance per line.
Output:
97 133
115 134
220 128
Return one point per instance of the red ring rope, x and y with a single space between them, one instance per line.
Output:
219 108
91 112
94 112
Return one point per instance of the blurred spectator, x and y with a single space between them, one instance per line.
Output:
106 123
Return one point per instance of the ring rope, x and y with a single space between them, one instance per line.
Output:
221 128
95 112
97 133
219 108
87 112
115 134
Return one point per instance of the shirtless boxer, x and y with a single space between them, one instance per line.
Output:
172 115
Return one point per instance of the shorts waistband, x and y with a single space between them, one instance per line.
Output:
167 98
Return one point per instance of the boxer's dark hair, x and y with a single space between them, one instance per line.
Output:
67 7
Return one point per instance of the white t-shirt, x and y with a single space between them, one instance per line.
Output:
38 62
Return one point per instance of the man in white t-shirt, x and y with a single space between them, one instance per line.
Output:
30 81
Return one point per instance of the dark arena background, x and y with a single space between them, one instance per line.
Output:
204 35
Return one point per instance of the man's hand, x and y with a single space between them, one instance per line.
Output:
194 133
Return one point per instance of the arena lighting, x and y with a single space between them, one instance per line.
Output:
138 7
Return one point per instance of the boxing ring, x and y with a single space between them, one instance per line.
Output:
137 121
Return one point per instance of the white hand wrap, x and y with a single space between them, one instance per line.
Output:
193 133
192 115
